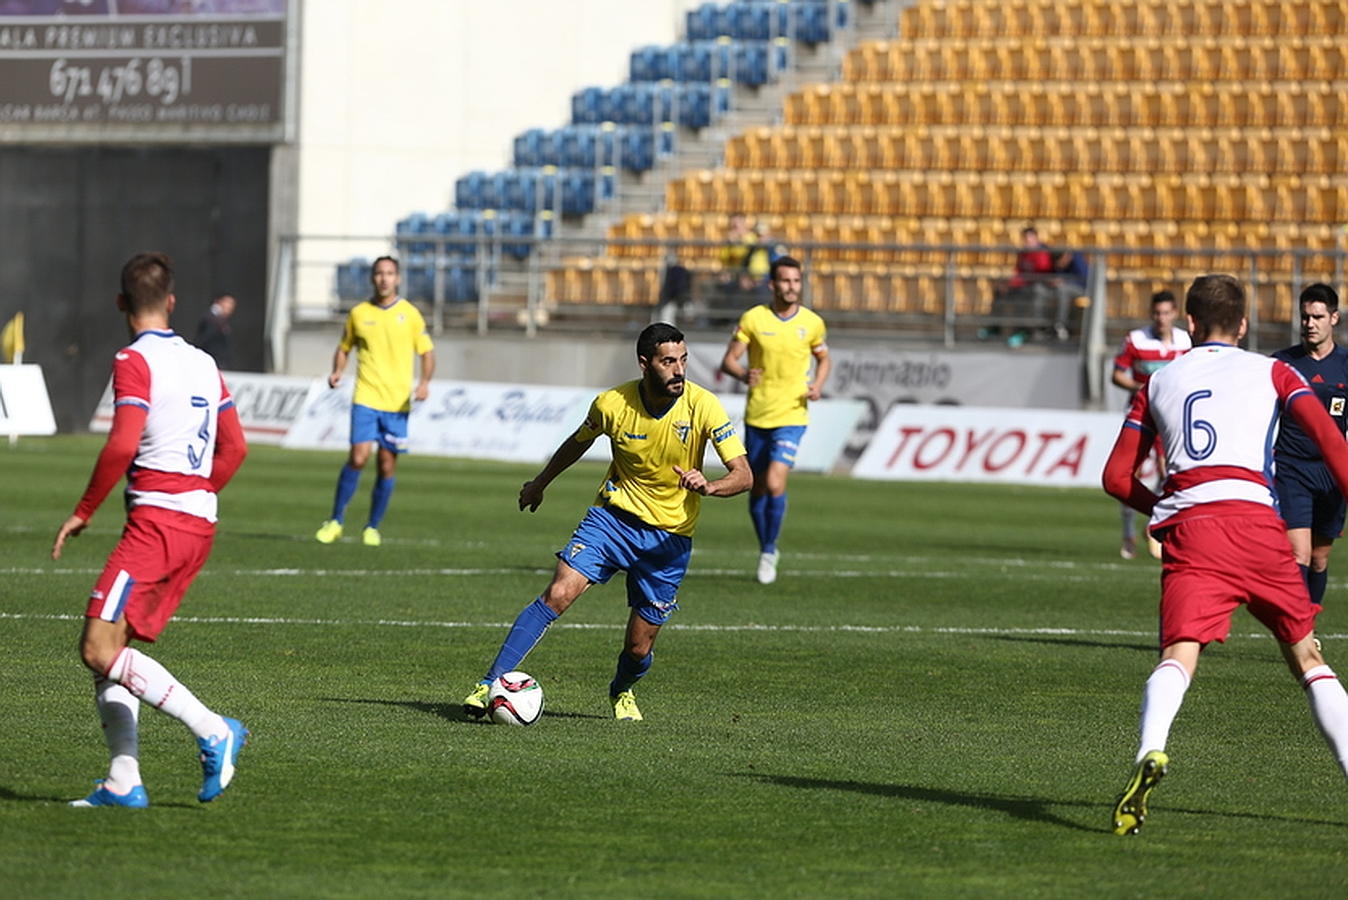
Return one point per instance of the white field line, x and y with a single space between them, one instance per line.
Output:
619 626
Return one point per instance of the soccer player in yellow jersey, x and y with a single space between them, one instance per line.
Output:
387 332
782 339
643 518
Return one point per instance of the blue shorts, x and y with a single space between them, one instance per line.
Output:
655 560
388 428
769 445
1309 498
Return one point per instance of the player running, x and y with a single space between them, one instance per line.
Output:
781 338
386 332
643 519
176 436
1144 352
1213 410
1308 498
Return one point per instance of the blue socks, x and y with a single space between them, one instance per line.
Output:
346 489
773 518
629 672
1317 582
758 511
768 512
379 497
527 631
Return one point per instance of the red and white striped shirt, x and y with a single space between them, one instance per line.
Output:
173 461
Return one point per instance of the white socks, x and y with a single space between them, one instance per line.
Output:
1329 707
153 684
1161 699
118 711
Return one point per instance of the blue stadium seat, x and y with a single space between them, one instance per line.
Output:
474 191
752 65
588 105
418 281
353 280
576 146
516 224
752 21
531 147
704 23
638 149
810 22
460 284
652 63
409 227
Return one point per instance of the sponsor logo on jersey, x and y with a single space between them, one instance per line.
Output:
722 432
634 437
682 429
574 549
1336 406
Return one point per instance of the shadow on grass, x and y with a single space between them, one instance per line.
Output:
1028 808
8 796
452 712
1017 807
1073 642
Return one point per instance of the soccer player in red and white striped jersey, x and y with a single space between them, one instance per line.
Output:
1146 351
1216 411
177 438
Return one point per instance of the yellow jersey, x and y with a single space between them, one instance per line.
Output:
646 447
783 349
387 340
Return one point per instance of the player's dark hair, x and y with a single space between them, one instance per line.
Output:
147 280
784 262
1162 297
1216 303
1320 293
654 335
374 265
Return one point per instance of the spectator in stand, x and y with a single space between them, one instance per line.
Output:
1024 293
213 331
744 260
1073 273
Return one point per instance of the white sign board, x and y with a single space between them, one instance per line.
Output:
526 423
25 407
481 420
267 404
960 443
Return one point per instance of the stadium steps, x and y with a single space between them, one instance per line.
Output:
694 150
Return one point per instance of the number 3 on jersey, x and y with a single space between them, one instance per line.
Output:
1195 428
193 456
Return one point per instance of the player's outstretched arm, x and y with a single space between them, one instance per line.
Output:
1120 479
565 456
128 421
737 479
230 448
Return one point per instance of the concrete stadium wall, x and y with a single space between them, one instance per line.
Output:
397 100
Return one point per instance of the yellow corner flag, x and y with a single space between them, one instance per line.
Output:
11 340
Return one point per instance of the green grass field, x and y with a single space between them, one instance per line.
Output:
938 698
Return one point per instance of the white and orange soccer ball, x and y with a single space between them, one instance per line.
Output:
515 699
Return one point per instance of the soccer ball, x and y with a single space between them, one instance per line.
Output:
515 699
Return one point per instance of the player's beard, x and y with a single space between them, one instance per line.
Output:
670 389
